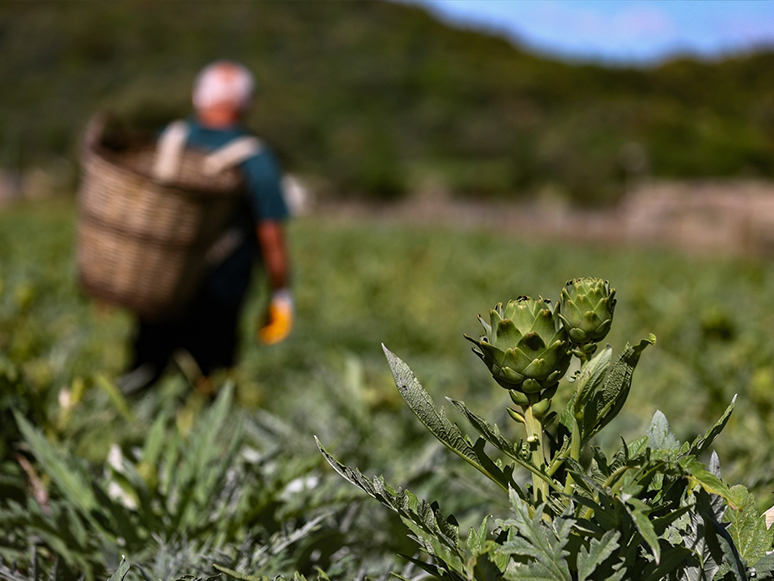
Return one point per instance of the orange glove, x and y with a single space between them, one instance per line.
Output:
278 321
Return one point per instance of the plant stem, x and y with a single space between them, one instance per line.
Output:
575 436
535 441
575 449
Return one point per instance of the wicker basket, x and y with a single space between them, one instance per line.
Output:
142 243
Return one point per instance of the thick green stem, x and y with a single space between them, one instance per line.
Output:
535 440
575 436
575 449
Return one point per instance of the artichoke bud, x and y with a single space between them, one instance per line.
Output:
525 346
519 398
531 386
549 392
516 415
586 310
540 409
584 351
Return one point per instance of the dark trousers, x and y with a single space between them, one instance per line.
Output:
208 330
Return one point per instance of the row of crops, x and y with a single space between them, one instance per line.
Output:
177 484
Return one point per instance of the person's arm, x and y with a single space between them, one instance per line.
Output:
271 241
278 321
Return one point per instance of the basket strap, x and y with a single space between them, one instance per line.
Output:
170 151
231 154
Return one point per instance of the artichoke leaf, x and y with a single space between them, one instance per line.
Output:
507 334
605 404
423 407
591 376
702 443
748 527
435 419
423 519
491 433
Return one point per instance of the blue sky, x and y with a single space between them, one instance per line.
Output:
620 31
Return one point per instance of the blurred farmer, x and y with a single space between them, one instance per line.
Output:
208 328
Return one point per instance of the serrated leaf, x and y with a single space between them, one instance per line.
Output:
531 572
730 556
607 402
672 557
660 524
538 541
702 443
645 528
491 433
436 535
764 568
238 575
748 527
435 420
591 376
426 567
423 407
711 483
447 525
477 537
599 550
352 475
711 544
567 417
495 470
485 567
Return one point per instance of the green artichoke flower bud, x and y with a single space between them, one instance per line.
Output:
525 347
586 311
540 409
519 398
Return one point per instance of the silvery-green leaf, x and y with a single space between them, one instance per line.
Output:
748 527
592 375
659 436
121 572
422 405
599 550
477 537
702 443
764 567
436 422
606 403
645 528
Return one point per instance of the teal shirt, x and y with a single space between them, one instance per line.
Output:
230 280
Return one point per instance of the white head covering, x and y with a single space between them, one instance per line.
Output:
223 82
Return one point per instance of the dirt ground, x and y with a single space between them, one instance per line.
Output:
727 217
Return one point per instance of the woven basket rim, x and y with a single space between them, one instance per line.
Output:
113 159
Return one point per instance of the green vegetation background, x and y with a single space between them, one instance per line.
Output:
379 99
417 291
359 284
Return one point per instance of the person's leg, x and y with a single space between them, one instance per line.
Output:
153 345
212 334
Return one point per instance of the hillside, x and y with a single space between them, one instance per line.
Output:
381 99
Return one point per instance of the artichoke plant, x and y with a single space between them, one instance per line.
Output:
525 346
586 311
